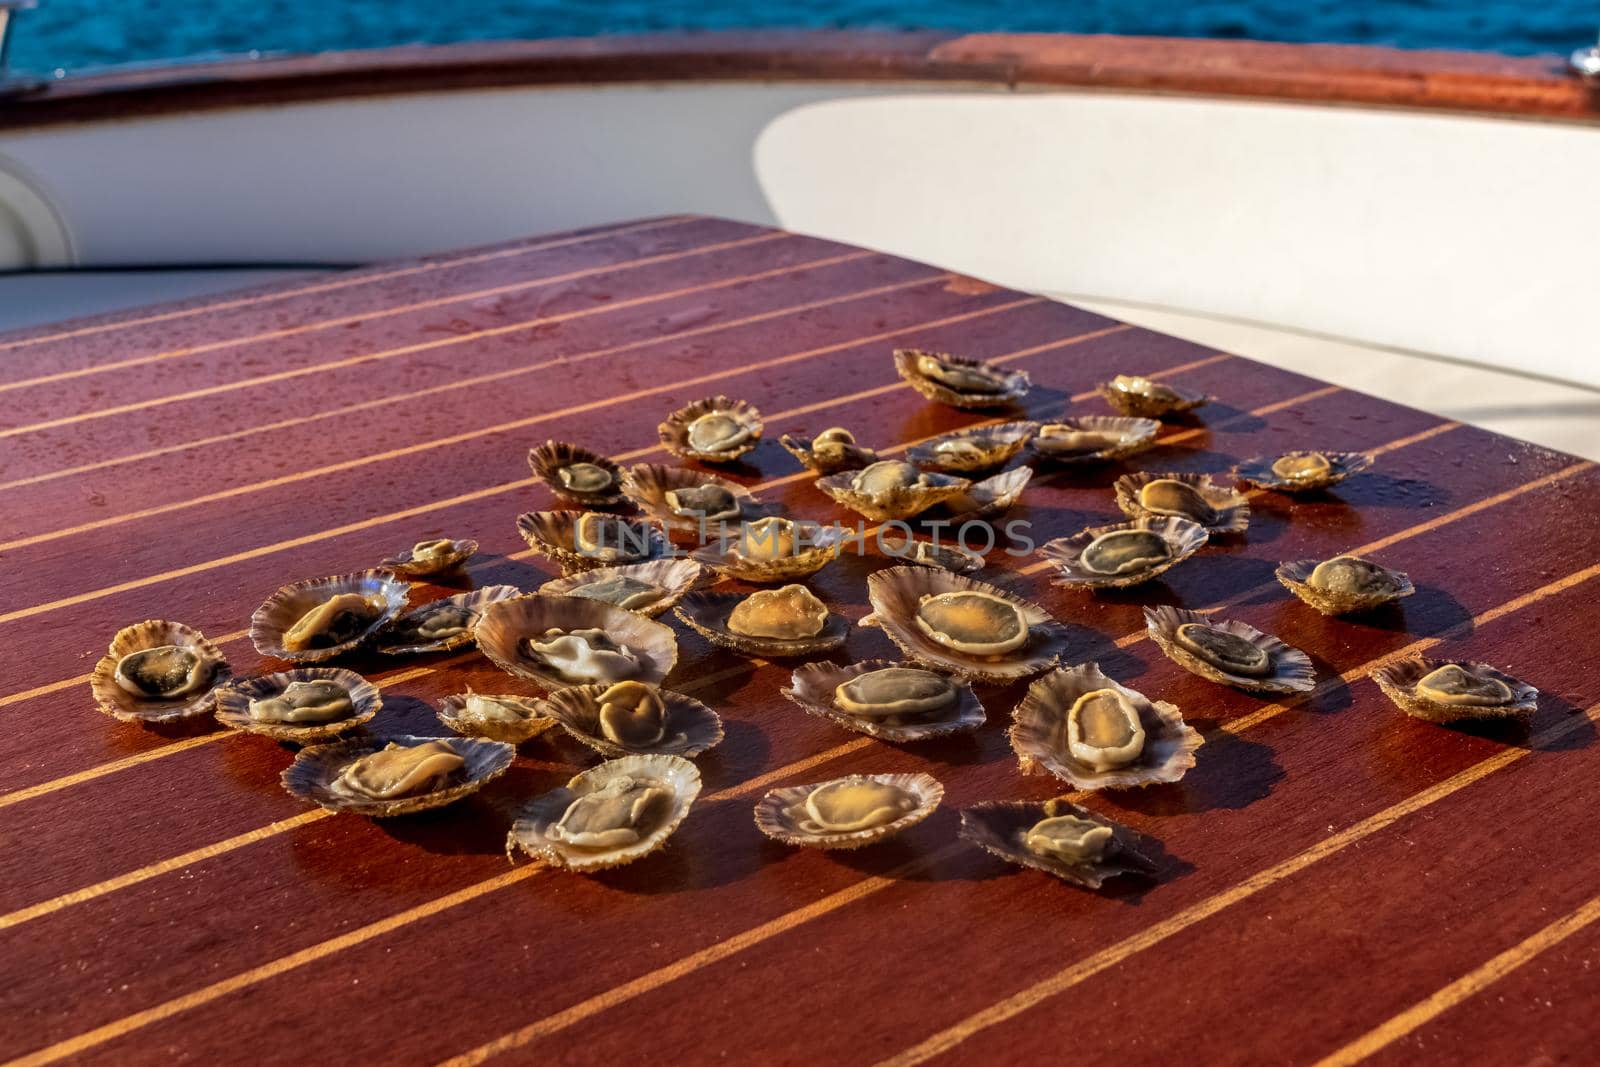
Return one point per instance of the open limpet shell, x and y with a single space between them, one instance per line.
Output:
400 639
450 556
978 448
289 605
679 432
516 720
1006 386
1227 509
233 704
1287 669
1053 441
536 830
842 456
896 593
1264 471
1339 600
211 670
1001 829
648 484
555 534
1182 538
821 545
899 502
945 556
314 770
688 726
551 458
1399 682
814 688
1142 398
1039 733
662 581
707 614
505 623
990 496
782 814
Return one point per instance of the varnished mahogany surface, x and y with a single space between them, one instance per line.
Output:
1334 879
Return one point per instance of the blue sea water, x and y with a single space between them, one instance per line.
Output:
79 34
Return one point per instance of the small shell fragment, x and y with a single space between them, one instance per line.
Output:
1139 397
1219 508
608 815
583 540
773 549
1229 652
429 558
1446 691
892 489
958 381
1093 438
1125 554
557 641
646 589
979 448
441 625
713 430
1058 837
778 623
1343 584
578 474
318 619
396 774
1302 472
886 700
633 718
850 812
302 706
498 717
687 501
158 672
833 450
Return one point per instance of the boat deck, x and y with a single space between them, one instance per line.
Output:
1336 882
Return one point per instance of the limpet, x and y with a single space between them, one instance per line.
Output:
993 494
305 705
575 473
977 449
645 588
688 501
315 620
892 489
395 775
861 809
559 641
1093 438
498 717
950 557
608 815
1058 837
958 381
886 700
429 558
441 625
1230 652
834 449
1140 397
783 622
1302 472
713 430
158 672
773 549
583 540
1447 691
1220 509
628 718
1114 557
1343 584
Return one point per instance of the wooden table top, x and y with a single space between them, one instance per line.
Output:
1335 880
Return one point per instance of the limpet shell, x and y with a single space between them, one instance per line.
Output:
1399 683
648 484
707 614
813 687
897 592
117 702
289 605
554 534
1038 733
314 770
949 557
1144 398
990 496
531 832
1291 669
1137 435
1296 577
823 544
550 458
473 602
1013 384
1183 539
977 448
407 565
899 502
1231 508
674 577
779 813
233 704
999 828
1341 465
691 727
506 622
675 431
850 457
454 714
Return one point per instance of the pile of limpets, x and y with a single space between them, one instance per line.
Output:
589 652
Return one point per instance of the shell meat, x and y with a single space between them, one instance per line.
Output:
577 474
633 718
960 382
1230 652
980 448
834 449
1453 690
321 618
1302 472
949 557
850 812
1142 398
1114 557
646 589
773 549
441 625
557 641
689 501
988 497
1219 508
429 558
608 815
397 774
892 489
1082 727
783 622
499 717
886 700
306 705
958 624
158 672
1343 584
583 540
1093 438
713 430
1058 837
